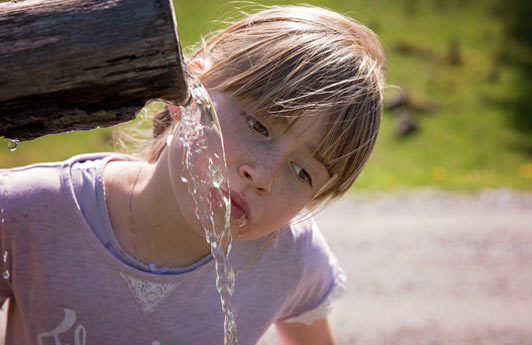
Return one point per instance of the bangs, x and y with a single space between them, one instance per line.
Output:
346 145
306 64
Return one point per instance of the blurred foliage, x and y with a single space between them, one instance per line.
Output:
467 59
516 50
516 15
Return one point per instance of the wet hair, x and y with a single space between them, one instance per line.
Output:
293 61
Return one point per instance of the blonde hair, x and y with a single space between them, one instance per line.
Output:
292 61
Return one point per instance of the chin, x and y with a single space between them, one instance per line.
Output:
248 234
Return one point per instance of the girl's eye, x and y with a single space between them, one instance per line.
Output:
256 126
302 173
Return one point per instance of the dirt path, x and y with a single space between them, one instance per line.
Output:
433 268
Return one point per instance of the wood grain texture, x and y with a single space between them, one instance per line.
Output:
80 64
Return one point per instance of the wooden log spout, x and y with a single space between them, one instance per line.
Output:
80 64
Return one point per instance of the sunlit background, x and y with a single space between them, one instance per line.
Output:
459 69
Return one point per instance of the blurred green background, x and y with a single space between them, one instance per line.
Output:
463 69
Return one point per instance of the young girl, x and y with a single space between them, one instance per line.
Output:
106 249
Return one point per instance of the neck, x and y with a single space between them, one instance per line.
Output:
146 217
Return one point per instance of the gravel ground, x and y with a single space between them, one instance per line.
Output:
430 268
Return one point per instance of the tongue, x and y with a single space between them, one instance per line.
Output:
236 212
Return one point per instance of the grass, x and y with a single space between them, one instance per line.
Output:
469 143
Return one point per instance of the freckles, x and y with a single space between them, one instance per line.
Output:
290 197
231 146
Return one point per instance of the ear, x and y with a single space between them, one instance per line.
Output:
175 112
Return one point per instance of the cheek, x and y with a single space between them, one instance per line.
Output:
231 133
236 148
290 200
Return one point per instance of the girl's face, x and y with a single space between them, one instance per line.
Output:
272 172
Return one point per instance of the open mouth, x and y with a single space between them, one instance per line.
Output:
239 208
238 204
236 211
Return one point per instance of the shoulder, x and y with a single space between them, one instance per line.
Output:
302 251
39 183
306 240
45 175
27 181
296 247
320 278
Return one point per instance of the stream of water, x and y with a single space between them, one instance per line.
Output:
205 173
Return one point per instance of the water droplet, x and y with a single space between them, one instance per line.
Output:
12 144
5 275
169 139
156 343
216 174
227 201
241 222
5 256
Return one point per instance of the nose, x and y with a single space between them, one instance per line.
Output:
259 178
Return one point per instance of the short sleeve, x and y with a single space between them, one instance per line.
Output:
322 282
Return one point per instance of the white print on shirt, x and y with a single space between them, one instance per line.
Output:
80 334
148 294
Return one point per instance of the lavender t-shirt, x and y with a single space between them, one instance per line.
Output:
66 287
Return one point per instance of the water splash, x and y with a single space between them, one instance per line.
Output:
12 144
5 274
204 171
